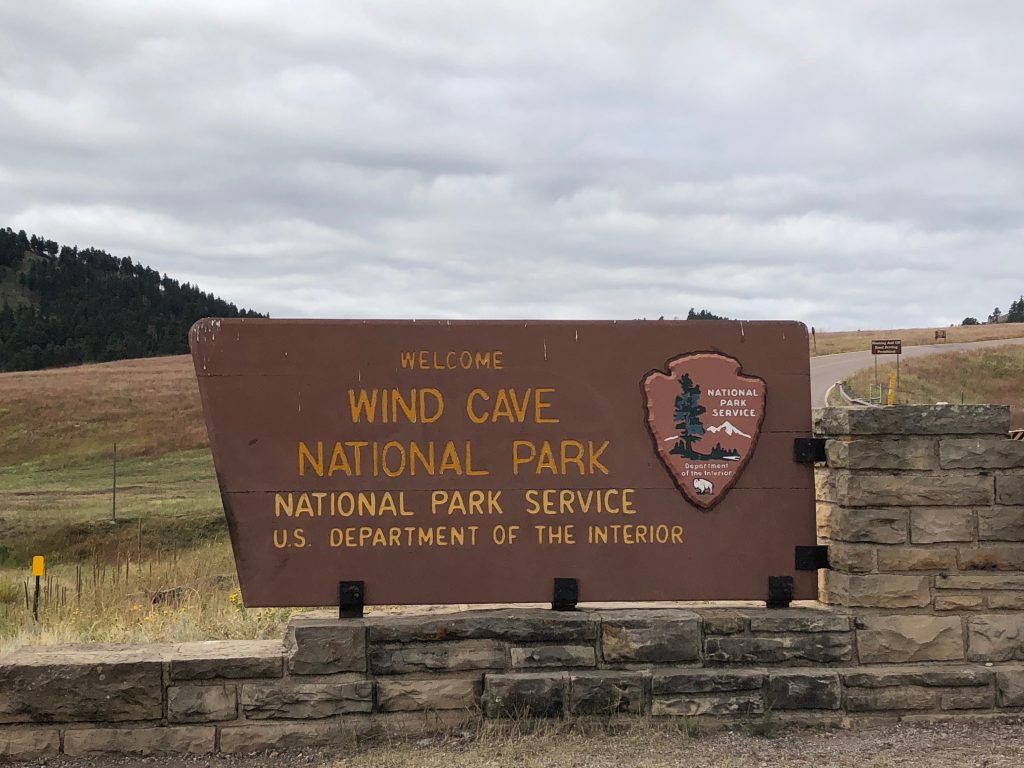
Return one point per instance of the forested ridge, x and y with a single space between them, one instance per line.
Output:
62 306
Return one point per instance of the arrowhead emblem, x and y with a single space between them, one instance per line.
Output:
705 417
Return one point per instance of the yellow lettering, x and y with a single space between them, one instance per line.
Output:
517 460
306 457
476 419
363 405
280 505
339 462
540 405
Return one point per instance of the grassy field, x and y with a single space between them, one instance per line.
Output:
853 341
979 376
163 570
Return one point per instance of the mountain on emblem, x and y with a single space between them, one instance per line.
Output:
705 417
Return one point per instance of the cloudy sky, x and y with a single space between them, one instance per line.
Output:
851 165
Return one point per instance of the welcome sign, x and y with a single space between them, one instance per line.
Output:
471 462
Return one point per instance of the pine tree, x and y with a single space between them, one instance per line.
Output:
1016 313
688 411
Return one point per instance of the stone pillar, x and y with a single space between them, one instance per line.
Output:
923 511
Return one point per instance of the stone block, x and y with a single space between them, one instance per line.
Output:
209 659
804 689
799 620
948 488
981 453
959 602
710 704
325 646
1010 687
516 625
68 683
460 655
607 693
674 681
998 557
884 699
723 622
526 694
1010 488
875 590
174 740
820 648
427 695
883 453
937 525
201 703
650 635
862 524
1002 601
916 559
851 558
968 698
897 639
920 675
989 582
263 736
539 656
995 637
305 701
1001 523
902 420
17 744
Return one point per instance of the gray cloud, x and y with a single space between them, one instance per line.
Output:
849 165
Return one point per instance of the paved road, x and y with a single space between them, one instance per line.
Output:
826 370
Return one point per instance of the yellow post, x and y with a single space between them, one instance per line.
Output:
892 387
38 570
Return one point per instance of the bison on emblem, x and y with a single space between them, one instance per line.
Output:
703 487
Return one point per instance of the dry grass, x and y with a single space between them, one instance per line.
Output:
853 341
669 743
138 597
979 376
149 407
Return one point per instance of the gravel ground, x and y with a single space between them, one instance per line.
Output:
964 744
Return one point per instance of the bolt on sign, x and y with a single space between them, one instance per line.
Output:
887 347
475 462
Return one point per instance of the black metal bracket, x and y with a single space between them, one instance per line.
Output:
811 558
808 450
566 595
351 599
780 591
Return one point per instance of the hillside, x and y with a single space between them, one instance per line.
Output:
834 342
977 376
63 306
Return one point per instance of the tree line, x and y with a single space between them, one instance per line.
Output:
65 306
1015 314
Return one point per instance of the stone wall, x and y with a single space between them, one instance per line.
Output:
923 511
334 682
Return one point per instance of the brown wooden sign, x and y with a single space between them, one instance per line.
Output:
887 347
472 462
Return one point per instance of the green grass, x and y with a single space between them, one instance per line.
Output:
64 511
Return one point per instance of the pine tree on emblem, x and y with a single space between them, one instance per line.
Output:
687 417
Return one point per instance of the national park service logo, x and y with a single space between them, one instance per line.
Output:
704 416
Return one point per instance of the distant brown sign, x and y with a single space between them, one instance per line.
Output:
470 462
887 347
